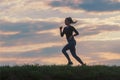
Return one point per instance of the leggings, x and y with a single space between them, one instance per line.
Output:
71 46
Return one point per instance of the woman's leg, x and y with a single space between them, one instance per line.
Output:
73 52
66 54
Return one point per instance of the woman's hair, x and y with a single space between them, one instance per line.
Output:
70 20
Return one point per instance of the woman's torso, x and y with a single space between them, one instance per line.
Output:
69 33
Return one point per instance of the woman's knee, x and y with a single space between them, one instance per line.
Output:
74 55
63 51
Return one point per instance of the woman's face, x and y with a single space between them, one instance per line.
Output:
67 22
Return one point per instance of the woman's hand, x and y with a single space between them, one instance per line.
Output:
61 32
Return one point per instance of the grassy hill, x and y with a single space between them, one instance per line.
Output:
54 72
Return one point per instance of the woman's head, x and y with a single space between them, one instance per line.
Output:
69 21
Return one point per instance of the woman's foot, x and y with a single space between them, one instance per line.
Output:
83 64
70 63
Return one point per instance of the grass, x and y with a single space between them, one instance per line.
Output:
59 72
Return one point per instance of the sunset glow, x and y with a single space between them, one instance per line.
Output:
29 31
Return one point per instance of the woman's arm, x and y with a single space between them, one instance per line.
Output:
76 32
61 32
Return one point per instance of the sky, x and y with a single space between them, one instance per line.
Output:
29 31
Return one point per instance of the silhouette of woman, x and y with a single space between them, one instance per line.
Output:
68 31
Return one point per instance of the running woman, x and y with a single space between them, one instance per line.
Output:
68 31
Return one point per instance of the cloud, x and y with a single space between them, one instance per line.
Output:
106 58
26 8
89 5
112 62
26 28
109 56
88 47
29 31
97 29
26 48
91 52
41 31
115 0
100 52
36 60
58 59
100 5
113 19
19 61
8 33
54 32
27 23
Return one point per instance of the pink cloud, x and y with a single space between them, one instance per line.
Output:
29 47
8 33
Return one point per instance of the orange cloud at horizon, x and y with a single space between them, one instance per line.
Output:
29 47
58 59
109 56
